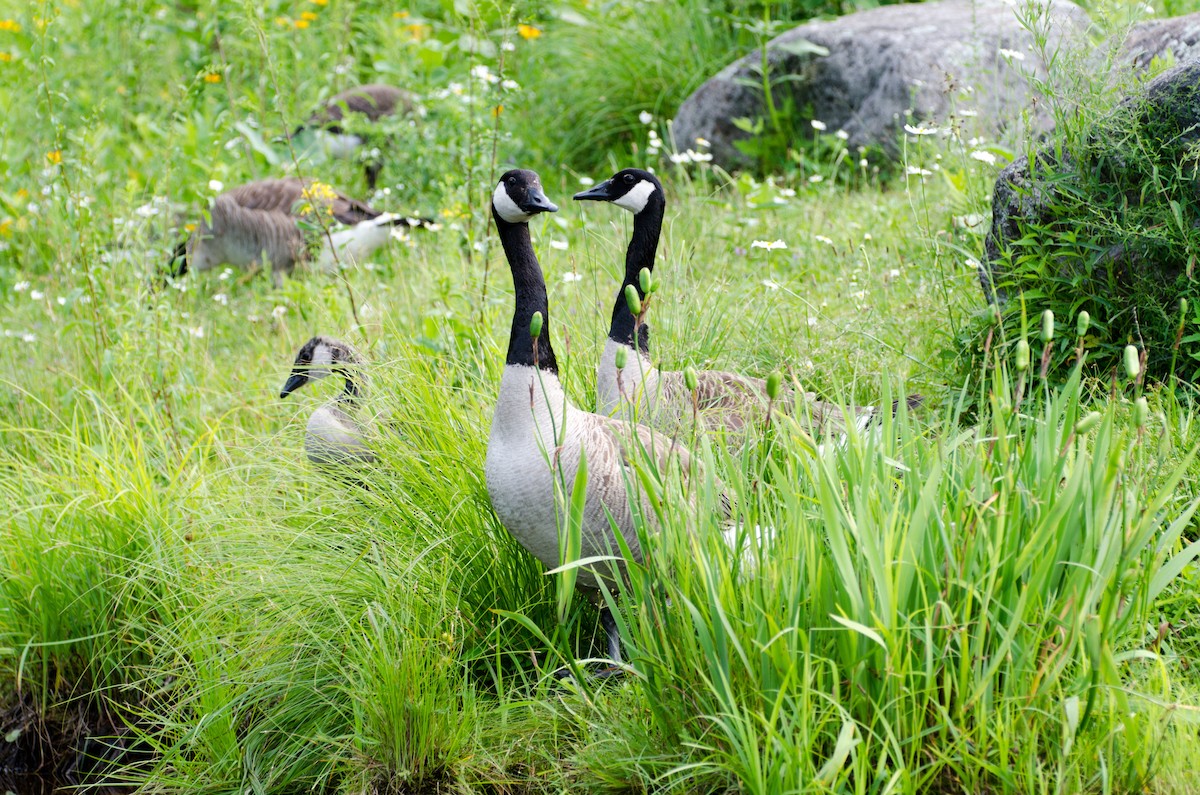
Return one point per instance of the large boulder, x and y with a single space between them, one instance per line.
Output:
1106 218
882 66
1176 37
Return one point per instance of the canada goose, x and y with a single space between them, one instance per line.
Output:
725 399
374 101
333 435
538 436
261 222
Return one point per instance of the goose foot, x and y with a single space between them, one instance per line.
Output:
611 670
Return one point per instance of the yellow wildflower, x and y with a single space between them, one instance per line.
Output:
5 57
212 77
419 31
190 227
301 23
528 31
496 111
401 15
283 21
22 193
54 157
318 194
6 227
310 16
122 90
320 2
11 25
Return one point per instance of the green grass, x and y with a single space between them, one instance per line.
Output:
979 598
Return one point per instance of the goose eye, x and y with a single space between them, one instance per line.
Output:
629 179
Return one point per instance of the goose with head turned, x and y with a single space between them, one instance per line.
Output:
726 400
260 223
373 102
538 437
334 436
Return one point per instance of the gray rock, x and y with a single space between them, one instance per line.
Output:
880 64
1177 37
1165 115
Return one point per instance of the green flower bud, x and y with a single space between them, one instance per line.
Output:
632 299
1047 326
1082 321
1183 305
535 325
690 379
1141 411
622 356
1133 365
1087 423
994 314
646 279
774 382
1022 361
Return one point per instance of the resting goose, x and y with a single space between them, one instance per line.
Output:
260 222
538 436
724 399
333 435
374 101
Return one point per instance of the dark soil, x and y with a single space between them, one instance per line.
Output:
68 745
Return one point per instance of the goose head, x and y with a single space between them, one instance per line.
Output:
630 189
519 196
318 358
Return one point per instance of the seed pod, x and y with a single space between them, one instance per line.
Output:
1047 326
690 379
1087 423
535 325
632 300
1082 321
774 382
1022 361
646 279
1133 365
1141 411
622 356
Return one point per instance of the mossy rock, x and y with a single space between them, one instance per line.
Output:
1108 220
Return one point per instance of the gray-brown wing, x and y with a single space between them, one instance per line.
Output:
724 399
269 195
374 100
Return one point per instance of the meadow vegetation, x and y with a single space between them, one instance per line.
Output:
995 592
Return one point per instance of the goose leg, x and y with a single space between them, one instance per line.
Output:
614 645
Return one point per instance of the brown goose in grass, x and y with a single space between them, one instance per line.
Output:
260 223
334 435
374 101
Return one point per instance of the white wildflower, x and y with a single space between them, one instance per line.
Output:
511 85
508 46
842 135
278 312
968 114
645 117
559 245
1015 55
147 210
197 332
822 239
894 273
818 125
586 181
27 337
984 157
921 130
770 284
867 236
225 274
216 186
20 287
769 245
481 72
222 299
862 163
815 178
812 321
703 143
37 295
914 171
570 278
32 208
678 158
61 301
972 263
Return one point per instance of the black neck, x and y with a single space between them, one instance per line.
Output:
530 288
353 389
643 246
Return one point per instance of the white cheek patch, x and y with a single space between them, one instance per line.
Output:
506 208
635 200
322 358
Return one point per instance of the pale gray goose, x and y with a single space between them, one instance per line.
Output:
259 223
334 435
373 101
535 424
725 400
